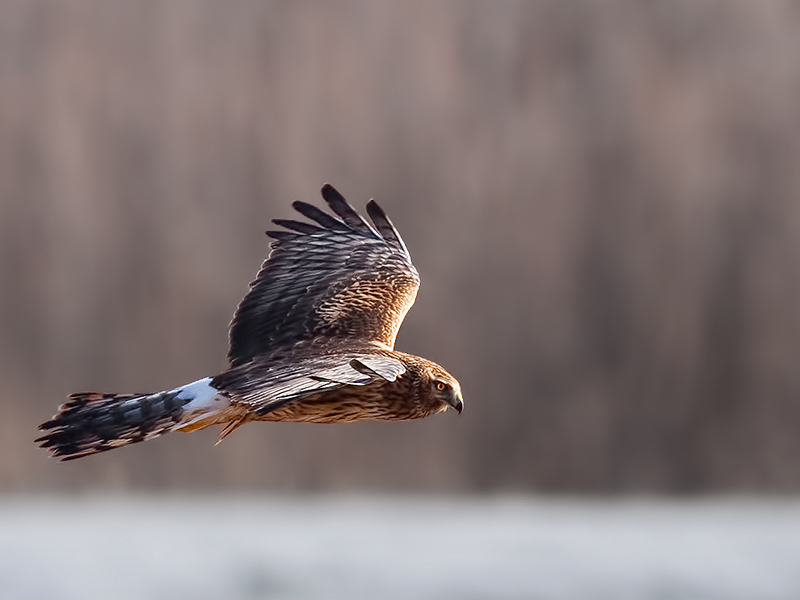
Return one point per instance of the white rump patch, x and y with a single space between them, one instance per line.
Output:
201 395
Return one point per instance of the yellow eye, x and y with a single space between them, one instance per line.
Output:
440 385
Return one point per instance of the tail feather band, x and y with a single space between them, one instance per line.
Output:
89 423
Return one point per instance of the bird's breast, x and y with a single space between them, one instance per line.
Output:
378 401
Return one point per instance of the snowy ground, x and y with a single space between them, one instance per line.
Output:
390 548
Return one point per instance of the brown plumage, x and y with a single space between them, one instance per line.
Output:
312 341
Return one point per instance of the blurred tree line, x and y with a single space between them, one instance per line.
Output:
601 199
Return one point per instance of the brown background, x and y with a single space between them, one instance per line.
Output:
602 200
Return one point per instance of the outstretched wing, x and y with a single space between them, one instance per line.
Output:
337 278
271 381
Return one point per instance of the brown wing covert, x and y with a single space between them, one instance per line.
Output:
338 277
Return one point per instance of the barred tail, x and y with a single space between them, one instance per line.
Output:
91 422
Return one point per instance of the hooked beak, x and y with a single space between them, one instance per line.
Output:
457 403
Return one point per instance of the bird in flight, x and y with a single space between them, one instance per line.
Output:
312 341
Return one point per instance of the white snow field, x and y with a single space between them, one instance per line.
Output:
375 548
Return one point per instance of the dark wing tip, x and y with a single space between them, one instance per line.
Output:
282 236
384 225
298 226
349 220
321 217
346 212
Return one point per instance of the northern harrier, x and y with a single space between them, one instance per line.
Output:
311 341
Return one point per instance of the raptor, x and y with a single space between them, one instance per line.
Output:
312 341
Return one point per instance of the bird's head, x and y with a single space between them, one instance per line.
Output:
443 389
